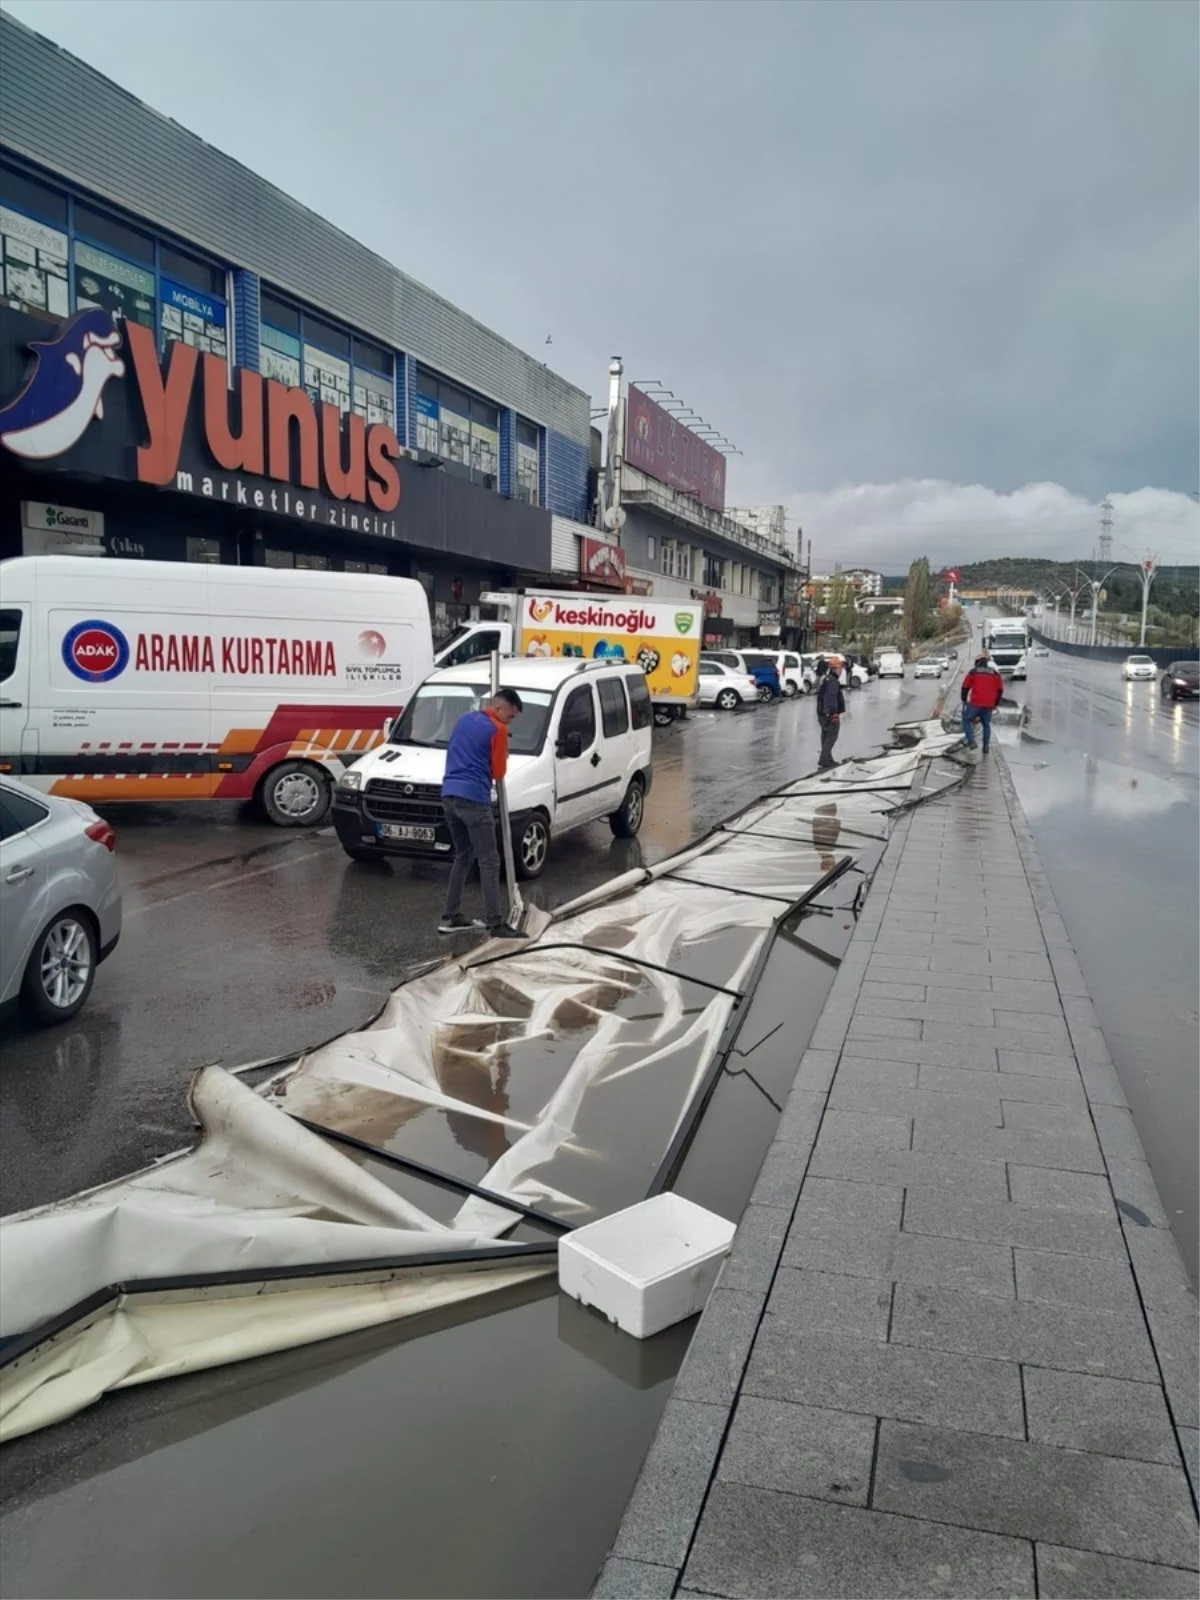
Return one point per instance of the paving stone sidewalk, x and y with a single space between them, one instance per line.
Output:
953 1350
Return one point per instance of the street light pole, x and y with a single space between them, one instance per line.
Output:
1095 585
1146 572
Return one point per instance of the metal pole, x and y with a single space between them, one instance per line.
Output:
516 906
1147 578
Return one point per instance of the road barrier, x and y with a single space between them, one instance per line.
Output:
1161 655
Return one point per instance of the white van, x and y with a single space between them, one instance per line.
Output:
156 680
891 664
579 751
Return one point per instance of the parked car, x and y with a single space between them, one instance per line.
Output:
579 752
1181 681
60 906
795 676
758 664
1139 667
891 664
724 687
930 667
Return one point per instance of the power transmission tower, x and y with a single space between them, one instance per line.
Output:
1106 527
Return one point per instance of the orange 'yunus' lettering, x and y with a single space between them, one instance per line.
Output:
243 451
165 403
285 407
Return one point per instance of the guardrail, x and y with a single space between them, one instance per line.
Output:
1161 655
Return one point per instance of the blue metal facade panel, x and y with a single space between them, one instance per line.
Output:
247 320
565 476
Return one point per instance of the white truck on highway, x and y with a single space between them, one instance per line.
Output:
663 637
1008 642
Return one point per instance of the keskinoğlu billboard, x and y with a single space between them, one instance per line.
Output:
664 449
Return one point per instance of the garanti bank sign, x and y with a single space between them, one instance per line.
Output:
95 397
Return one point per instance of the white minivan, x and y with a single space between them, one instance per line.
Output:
891 664
160 680
580 751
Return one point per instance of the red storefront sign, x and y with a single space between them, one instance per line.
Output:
602 564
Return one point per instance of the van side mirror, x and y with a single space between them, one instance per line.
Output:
570 746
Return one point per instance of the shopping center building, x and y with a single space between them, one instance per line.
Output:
220 375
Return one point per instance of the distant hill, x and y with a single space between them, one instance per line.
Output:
1027 572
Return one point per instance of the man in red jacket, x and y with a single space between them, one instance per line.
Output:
981 691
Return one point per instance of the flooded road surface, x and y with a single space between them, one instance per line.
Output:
243 942
1109 777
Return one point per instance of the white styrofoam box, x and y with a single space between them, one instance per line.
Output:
648 1266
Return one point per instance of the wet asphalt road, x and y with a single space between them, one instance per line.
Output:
1109 776
242 942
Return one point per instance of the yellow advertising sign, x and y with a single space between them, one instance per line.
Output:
663 639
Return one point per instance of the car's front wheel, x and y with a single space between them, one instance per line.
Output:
790 689
61 969
531 846
729 700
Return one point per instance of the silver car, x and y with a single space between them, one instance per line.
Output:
60 906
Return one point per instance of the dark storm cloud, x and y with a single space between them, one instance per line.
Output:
871 242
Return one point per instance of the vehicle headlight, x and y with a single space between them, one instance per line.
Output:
350 780
1181 683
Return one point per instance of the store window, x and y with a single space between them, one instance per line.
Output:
373 396
364 566
114 267
714 572
460 428
33 246
207 551
192 305
528 461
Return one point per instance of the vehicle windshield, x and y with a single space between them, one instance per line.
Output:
1141 661
428 719
1008 641
1186 669
759 658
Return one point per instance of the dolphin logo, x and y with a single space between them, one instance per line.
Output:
63 392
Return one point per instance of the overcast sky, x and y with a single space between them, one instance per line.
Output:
911 257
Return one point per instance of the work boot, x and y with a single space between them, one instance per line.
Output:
458 924
505 932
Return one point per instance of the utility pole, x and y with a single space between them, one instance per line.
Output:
1106 527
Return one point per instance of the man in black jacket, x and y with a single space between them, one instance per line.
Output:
831 703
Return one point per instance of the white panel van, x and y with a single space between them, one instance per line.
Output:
158 680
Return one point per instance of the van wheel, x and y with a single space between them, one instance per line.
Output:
789 688
531 846
663 716
296 794
626 822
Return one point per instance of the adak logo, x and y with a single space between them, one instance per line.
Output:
64 391
95 651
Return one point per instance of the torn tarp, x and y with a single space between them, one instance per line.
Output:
557 1074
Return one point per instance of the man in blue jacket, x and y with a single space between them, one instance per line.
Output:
477 757
831 703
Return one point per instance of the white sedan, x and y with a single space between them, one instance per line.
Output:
1139 667
931 667
724 688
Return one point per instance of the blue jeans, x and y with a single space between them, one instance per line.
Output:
982 715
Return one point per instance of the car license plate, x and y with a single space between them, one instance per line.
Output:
404 830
